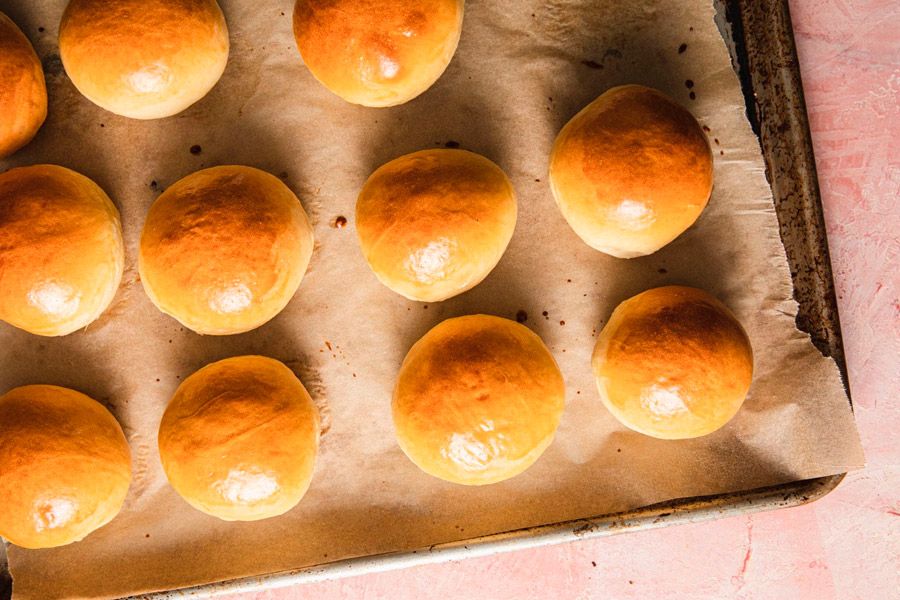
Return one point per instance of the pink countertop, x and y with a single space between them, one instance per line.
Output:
848 544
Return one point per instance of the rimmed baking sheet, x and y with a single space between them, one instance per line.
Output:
523 69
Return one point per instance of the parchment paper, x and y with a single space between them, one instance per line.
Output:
522 70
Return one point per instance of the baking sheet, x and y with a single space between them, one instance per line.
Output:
515 81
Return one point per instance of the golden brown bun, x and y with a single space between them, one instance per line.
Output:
239 439
23 94
377 52
224 249
61 251
631 172
673 363
147 59
65 466
477 400
433 224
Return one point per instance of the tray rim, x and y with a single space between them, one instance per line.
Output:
664 514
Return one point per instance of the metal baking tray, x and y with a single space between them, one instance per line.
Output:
760 39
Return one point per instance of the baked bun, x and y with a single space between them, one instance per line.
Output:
144 59
631 172
377 52
65 466
224 249
239 439
433 224
61 251
477 400
23 94
673 363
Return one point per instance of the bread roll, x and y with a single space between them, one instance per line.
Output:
61 251
377 52
433 224
477 400
144 59
23 94
673 363
239 439
65 466
631 172
224 249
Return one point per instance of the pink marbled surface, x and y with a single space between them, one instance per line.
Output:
845 546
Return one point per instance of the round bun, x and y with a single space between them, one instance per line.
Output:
61 251
224 249
65 466
23 94
433 224
673 363
147 59
477 400
631 172
377 52
239 439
